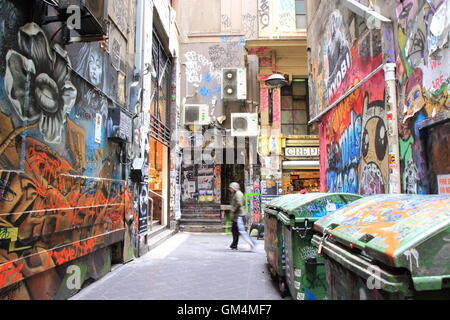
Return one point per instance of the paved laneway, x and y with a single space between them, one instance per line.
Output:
190 267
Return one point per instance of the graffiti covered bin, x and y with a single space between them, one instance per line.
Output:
304 271
388 247
273 238
273 245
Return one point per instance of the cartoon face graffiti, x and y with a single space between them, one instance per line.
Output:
414 99
374 150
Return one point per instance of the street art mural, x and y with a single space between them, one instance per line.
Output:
424 76
354 137
63 203
374 147
338 62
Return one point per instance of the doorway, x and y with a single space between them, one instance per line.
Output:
438 153
158 183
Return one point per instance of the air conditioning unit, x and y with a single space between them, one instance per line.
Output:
196 114
93 15
119 125
244 125
234 84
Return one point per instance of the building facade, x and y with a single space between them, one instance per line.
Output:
379 91
287 144
155 102
66 209
86 94
213 35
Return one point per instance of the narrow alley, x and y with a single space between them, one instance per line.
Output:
190 266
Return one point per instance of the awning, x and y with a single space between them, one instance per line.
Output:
298 165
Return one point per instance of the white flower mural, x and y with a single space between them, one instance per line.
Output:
37 82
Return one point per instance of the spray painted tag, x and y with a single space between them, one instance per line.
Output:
98 128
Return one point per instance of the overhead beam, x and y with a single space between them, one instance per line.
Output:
364 11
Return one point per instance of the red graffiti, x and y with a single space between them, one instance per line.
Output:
72 252
9 270
258 50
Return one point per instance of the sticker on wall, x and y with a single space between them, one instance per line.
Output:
191 187
98 128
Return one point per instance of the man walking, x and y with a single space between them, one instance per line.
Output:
238 218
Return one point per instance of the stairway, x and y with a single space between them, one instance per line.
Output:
158 235
202 217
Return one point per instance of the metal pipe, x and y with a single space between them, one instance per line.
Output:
349 92
392 122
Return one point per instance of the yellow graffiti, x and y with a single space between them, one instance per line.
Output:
13 235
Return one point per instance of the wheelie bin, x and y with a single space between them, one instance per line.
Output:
273 239
390 247
304 272
274 247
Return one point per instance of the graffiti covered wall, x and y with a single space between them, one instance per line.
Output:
424 75
354 136
63 200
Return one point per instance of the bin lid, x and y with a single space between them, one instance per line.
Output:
311 206
405 231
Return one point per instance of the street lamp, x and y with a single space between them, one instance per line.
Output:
275 81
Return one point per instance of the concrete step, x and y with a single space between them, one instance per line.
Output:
212 213
201 215
156 229
197 228
200 221
158 239
156 223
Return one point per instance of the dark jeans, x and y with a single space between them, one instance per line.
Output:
235 231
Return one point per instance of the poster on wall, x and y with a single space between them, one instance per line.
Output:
191 187
444 184
143 208
205 182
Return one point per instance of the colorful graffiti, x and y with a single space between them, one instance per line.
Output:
424 77
354 142
339 60
63 202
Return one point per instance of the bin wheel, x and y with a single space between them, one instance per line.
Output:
283 289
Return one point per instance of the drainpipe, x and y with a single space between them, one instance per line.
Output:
392 122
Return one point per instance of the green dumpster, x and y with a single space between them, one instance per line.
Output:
274 247
304 272
387 247
273 239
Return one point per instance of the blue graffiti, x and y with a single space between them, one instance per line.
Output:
344 157
2 88
226 39
208 78
204 92
209 87
309 295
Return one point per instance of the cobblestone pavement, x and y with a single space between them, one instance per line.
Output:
190 266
